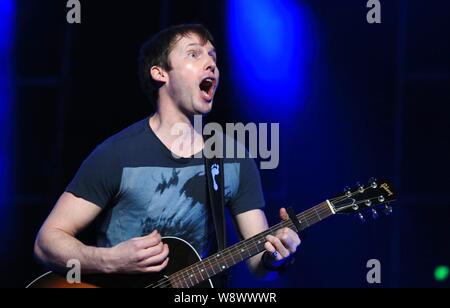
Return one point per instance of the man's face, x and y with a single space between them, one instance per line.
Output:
194 77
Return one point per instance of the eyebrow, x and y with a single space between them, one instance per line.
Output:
197 44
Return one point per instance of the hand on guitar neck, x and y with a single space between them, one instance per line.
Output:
283 243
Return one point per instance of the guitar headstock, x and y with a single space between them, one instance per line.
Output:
369 197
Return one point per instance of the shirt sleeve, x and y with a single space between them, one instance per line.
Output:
250 194
98 179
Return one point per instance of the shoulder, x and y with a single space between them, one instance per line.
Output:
113 147
126 135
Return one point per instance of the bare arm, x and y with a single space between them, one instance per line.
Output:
283 244
56 243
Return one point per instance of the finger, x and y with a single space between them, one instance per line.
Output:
144 254
284 214
273 252
156 259
287 238
293 235
154 233
278 245
148 241
290 239
157 268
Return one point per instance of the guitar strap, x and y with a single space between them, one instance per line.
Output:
215 182
214 171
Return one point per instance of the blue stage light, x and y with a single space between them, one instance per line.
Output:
6 97
268 49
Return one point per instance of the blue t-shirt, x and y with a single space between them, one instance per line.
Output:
141 187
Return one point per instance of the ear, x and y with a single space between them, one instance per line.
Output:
158 74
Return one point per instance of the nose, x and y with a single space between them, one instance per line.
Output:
211 65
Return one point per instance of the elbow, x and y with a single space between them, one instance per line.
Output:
38 250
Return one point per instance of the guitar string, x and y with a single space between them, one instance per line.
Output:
162 282
166 283
344 196
178 276
232 249
276 226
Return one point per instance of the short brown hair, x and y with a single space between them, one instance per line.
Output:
155 52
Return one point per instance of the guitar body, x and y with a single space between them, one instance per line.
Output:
181 255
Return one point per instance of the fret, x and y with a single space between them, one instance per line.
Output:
306 221
177 283
262 241
225 261
209 268
237 255
232 258
190 275
222 264
244 250
217 265
198 276
185 281
254 249
212 267
188 280
201 271
248 248
315 210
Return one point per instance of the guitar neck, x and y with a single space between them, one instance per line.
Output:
243 250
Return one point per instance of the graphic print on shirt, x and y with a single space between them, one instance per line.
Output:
170 200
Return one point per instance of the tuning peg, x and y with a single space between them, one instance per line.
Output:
375 214
347 191
387 209
373 183
361 218
360 187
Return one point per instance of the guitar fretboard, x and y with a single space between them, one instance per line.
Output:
243 250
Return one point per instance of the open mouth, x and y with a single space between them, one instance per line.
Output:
207 88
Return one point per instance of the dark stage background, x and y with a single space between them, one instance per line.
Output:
353 100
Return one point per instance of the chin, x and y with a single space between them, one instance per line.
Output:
203 108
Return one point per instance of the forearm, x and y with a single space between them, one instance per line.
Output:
55 248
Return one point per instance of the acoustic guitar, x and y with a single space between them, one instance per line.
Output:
186 269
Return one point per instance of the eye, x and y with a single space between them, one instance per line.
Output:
193 54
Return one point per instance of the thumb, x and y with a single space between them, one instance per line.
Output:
283 214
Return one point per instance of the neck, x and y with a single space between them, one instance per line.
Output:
176 130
